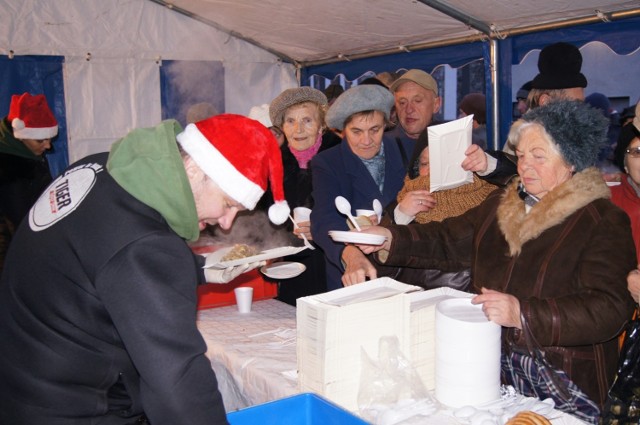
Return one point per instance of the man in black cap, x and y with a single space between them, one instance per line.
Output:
559 77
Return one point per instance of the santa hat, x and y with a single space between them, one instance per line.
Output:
241 156
31 117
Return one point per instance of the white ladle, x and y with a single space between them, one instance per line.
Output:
345 208
377 208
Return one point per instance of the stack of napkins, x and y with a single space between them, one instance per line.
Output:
423 330
334 328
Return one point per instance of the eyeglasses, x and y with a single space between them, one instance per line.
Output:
633 152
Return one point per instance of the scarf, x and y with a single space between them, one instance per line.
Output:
375 166
303 157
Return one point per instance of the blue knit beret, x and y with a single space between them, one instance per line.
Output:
366 97
578 130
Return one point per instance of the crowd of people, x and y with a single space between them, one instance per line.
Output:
97 294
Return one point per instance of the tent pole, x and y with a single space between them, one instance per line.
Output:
456 14
495 92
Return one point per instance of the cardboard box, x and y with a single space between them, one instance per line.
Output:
334 329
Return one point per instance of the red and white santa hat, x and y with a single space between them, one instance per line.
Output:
241 156
31 117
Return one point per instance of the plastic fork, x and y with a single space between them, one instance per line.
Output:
306 241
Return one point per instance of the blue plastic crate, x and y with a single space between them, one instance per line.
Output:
301 409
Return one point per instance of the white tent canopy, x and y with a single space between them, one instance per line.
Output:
307 31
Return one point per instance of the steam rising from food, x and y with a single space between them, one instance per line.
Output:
251 228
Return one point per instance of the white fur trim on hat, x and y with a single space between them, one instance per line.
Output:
218 168
23 133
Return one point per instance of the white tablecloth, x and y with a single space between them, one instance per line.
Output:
254 354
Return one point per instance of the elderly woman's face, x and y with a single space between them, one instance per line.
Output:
632 160
364 134
301 125
540 166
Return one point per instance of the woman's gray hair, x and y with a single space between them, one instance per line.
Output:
575 128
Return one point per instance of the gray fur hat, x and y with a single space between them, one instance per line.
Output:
576 128
365 97
291 97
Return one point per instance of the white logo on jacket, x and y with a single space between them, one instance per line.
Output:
63 196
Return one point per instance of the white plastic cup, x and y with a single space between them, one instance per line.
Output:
301 214
244 297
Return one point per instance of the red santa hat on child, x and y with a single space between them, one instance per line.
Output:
31 117
241 156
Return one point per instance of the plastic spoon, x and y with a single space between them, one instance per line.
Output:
377 208
345 208
306 241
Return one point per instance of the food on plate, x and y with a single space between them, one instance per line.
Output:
363 221
240 250
528 418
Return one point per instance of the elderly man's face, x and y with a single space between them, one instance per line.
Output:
212 204
415 107
540 166
364 134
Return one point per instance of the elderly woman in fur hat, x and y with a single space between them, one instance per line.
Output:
299 112
549 256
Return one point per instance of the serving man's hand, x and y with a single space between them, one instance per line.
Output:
213 275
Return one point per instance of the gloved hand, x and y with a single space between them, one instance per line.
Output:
214 275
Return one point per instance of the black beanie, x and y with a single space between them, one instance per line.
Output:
559 65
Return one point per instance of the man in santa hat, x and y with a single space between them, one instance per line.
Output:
25 137
98 299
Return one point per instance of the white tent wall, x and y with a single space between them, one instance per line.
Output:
113 50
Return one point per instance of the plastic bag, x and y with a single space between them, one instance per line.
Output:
390 388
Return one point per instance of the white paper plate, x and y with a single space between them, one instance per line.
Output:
283 269
213 259
356 237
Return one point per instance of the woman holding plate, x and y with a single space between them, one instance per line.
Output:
549 256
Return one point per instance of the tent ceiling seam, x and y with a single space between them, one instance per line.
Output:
219 27
500 34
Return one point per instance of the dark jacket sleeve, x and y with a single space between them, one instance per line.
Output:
149 290
506 169
445 245
324 216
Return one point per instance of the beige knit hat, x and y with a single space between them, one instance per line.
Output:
291 97
451 202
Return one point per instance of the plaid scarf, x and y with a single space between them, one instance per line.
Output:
534 379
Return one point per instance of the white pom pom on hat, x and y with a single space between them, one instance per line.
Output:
241 156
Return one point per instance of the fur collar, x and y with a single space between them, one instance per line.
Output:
519 227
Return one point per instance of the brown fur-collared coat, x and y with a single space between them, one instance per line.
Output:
566 261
